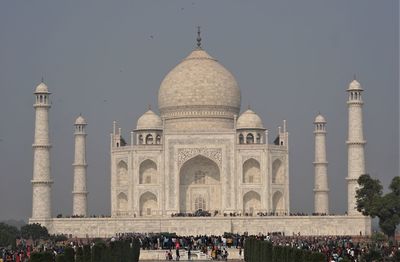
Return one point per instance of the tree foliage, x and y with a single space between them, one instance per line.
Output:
34 231
8 235
371 202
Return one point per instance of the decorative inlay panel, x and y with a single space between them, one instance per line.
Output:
185 154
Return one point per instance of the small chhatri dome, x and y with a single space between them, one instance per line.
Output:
319 119
42 88
80 121
249 120
149 120
355 85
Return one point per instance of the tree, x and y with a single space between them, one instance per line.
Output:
8 235
34 231
371 202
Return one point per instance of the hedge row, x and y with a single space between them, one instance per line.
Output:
118 251
259 250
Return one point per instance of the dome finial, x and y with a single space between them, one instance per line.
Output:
354 77
149 106
42 80
198 37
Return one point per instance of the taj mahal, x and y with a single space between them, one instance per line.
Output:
202 152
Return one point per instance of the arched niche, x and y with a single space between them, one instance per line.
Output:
122 173
148 172
251 171
148 204
199 178
278 172
278 205
251 202
122 202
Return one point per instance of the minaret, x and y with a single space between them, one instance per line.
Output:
355 144
79 192
321 198
41 182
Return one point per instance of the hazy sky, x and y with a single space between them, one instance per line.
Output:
106 60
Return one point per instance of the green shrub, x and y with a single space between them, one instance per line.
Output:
41 257
60 258
79 255
135 250
87 253
69 254
318 257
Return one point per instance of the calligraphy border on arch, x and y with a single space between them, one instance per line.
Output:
185 154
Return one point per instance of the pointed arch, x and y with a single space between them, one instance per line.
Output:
251 202
148 172
149 139
278 172
158 139
199 185
249 138
251 171
148 204
258 138
122 201
122 173
241 139
278 205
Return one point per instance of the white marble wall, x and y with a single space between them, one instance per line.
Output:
169 158
307 225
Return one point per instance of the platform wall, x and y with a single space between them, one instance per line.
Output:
305 225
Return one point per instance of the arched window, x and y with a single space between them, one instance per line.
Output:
158 139
199 203
250 139
149 139
140 139
241 139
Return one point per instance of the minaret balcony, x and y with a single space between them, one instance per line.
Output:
38 181
41 145
356 142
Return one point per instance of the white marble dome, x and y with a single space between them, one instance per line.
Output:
355 85
319 119
199 85
42 88
149 120
249 120
80 121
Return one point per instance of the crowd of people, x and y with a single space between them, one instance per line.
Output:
218 247
335 248
202 213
